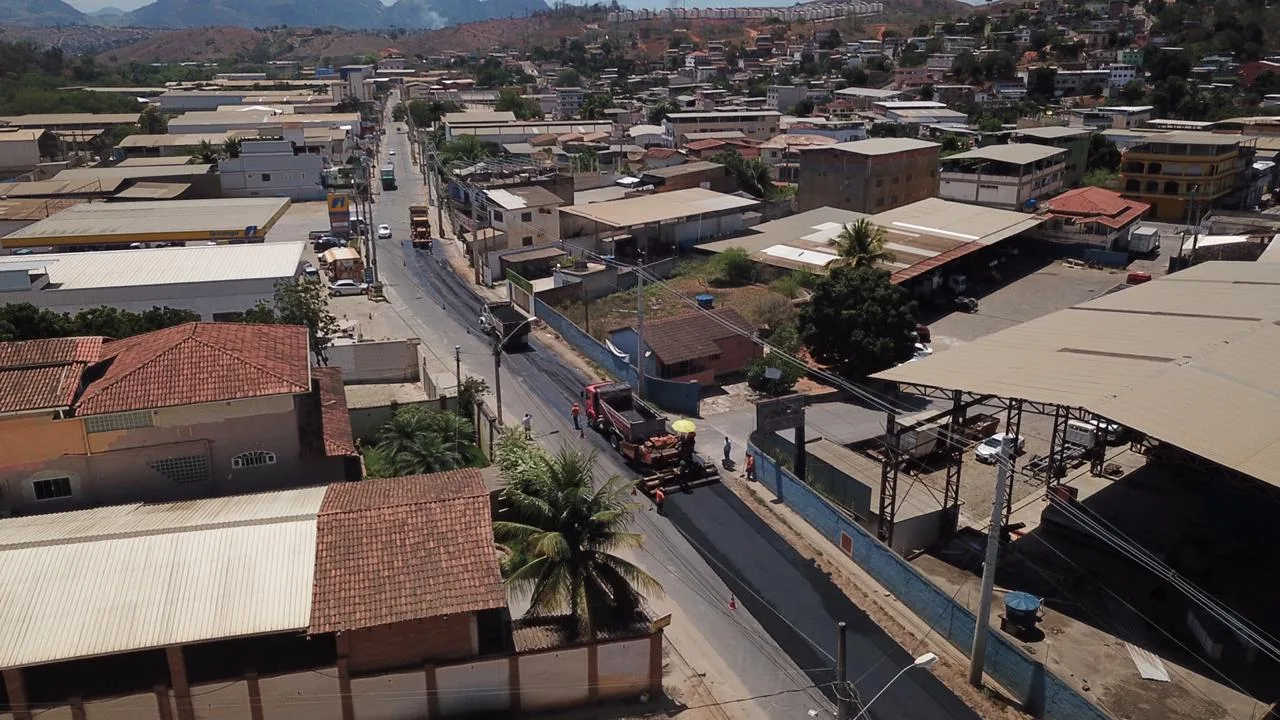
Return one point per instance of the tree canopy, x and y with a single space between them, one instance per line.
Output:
861 244
24 321
858 321
418 440
523 107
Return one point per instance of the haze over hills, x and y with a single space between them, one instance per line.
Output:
263 13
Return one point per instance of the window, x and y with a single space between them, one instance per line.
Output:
253 458
879 182
183 470
526 217
52 488
117 421
266 177
497 216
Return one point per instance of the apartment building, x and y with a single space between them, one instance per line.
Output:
782 97
1168 169
1074 140
569 102
1121 74
754 124
273 168
1009 177
868 176
196 410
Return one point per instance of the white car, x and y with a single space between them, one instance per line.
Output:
341 288
988 450
391 152
384 231
309 270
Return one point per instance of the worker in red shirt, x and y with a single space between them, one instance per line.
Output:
574 412
751 467
659 498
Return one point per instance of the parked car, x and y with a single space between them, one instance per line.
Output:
327 242
988 450
391 152
310 271
340 288
384 231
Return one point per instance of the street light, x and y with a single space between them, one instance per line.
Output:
925 661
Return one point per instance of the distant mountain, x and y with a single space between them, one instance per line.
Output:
320 13
40 12
106 12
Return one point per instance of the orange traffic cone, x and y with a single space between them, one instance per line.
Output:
733 603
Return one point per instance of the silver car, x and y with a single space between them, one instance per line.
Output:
339 288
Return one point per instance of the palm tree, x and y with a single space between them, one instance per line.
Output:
861 244
560 532
231 147
205 153
416 440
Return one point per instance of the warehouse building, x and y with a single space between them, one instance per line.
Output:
91 225
218 281
656 223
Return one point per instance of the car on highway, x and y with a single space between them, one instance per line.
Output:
988 450
342 288
384 231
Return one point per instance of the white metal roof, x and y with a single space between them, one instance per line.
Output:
163 266
160 217
1188 359
878 146
659 207
124 578
1014 153
955 220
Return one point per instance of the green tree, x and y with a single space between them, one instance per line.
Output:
416 440
594 105
426 113
732 268
952 144
753 175
659 110
875 319
568 78
466 149
304 302
1103 154
24 321
205 153
523 107
861 244
990 123
399 112
231 147
559 535
1133 91
926 92
1103 178
151 122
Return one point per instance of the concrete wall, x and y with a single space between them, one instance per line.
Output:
1042 693
134 707
383 361
220 701
675 397
622 668
474 687
402 696
309 695
553 680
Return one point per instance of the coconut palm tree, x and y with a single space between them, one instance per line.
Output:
231 147
559 533
861 244
205 153
415 440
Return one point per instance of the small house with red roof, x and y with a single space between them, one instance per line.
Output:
1091 216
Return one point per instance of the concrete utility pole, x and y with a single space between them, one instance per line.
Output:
497 377
982 625
640 369
842 674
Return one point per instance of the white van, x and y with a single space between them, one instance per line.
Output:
1081 432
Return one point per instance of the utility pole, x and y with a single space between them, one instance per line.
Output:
983 624
842 674
497 377
586 308
457 366
640 369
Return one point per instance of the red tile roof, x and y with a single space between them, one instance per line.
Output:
694 335
199 363
335 421
44 374
1095 204
700 145
661 153
402 549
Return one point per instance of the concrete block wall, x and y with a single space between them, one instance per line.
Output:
1042 693
382 361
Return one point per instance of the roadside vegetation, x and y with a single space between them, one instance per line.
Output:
418 440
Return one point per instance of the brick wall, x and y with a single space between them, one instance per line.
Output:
412 643
735 353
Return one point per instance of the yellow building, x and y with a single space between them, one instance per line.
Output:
1167 169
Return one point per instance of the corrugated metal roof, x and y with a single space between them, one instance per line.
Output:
877 146
1052 132
125 578
955 220
165 266
130 172
672 205
52 119
159 218
152 191
1016 153
1187 359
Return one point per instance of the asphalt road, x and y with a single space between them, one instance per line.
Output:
709 546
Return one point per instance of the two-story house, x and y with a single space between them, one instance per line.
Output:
1169 170
1010 177
196 410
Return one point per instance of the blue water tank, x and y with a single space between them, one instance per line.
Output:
705 301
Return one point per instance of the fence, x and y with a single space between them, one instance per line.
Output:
1042 693
534 681
676 397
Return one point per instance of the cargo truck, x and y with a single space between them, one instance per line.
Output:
639 433
388 177
420 227
503 321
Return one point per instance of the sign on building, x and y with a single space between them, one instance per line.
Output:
339 213
781 413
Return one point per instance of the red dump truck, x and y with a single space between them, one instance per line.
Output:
420 227
639 433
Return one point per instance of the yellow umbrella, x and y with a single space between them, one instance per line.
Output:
683 426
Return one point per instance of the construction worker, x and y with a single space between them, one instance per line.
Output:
728 450
574 412
751 466
527 423
659 498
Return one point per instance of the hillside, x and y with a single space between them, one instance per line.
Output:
182 45
40 12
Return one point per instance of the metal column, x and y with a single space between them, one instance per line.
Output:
1057 447
889 479
1012 426
955 460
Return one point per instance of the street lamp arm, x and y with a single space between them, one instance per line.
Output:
865 708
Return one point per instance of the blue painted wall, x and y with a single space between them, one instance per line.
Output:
674 397
1042 693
